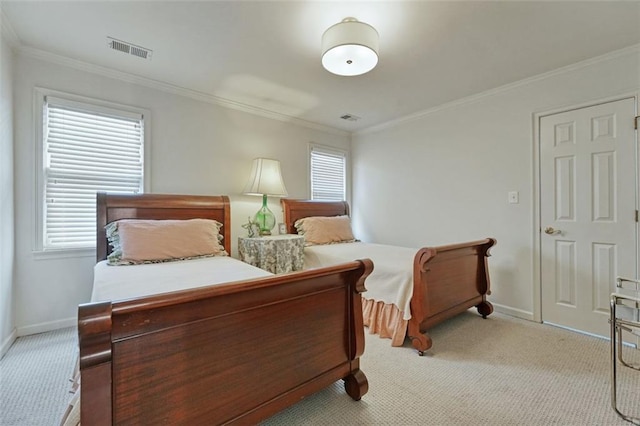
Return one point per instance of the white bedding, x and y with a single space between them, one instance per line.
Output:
392 278
125 282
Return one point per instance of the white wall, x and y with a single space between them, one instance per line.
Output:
439 178
444 176
6 198
196 148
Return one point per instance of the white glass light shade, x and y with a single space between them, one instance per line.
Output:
265 179
350 48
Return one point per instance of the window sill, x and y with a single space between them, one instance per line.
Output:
64 253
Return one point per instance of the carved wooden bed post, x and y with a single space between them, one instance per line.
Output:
94 335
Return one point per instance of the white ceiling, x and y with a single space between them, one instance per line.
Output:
266 54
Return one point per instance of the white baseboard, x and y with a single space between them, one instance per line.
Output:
518 313
8 342
47 326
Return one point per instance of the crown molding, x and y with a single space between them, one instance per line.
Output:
173 89
7 31
492 92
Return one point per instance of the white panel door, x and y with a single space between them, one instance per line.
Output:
587 212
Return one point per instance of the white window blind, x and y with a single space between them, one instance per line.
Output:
328 174
87 149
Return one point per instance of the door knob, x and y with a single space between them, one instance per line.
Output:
550 231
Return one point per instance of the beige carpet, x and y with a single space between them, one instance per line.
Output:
498 371
34 377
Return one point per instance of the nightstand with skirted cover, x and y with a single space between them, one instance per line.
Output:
275 253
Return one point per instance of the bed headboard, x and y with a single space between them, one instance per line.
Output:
111 207
297 209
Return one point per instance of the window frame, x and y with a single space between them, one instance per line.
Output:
39 198
334 151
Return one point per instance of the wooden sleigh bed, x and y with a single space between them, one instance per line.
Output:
221 354
447 280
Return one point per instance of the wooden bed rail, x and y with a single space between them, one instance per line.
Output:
230 353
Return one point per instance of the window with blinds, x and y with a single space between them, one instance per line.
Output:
86 148
328 174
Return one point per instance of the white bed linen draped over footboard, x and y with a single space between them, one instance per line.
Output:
390 282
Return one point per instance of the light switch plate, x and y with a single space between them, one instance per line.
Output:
513 197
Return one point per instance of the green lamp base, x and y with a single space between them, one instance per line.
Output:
265 218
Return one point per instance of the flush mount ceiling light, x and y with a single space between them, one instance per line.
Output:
350 48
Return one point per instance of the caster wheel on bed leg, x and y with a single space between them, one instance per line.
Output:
485 309
422 342
356 385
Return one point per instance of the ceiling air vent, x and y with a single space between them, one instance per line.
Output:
350 117
128 48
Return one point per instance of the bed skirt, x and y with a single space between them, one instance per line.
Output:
385 320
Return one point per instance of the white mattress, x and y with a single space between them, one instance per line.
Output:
124 282
390 282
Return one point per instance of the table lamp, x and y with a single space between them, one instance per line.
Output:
265 179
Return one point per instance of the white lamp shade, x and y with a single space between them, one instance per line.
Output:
265 179
350 48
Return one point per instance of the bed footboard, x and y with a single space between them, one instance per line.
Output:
448 280
230 353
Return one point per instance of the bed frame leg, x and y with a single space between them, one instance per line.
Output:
421 341
484 308
356 384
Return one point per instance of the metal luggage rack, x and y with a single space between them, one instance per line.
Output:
628 297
